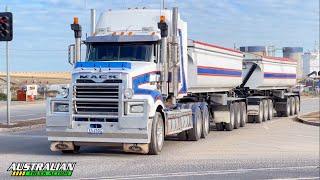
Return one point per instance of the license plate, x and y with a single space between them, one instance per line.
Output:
95 130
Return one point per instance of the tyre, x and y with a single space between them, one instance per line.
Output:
270 109
157 135
237 115
219 127
205 120
243 114
297 103
293 106
265 110
288 107
229 126
76 150
194 134
259 118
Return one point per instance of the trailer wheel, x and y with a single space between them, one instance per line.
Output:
265 110
157 135
205 120
76 150
259 118
297 107
243 113
293 106
229 126
237 115
270 109
288 107
219 127
194 134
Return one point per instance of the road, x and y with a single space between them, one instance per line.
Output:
281 148
23 111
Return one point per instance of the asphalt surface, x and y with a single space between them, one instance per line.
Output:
23 111
277 149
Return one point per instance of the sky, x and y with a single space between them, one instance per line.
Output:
42 27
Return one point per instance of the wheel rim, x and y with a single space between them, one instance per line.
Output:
159 134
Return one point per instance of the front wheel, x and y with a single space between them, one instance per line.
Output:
157 135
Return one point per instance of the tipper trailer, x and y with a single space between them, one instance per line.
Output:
143 80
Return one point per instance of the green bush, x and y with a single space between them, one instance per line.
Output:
3 97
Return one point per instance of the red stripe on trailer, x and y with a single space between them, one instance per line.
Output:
211 67
219 47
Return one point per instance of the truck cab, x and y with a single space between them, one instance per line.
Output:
117 93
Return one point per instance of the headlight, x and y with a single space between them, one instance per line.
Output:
136 108
128 93
60 107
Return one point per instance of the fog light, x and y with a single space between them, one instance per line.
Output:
137 108
60 107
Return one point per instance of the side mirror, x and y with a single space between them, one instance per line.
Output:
71 54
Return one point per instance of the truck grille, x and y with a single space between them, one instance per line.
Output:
97 98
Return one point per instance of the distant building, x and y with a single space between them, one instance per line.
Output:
311 62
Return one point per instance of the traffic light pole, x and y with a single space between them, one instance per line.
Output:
8 85
8 82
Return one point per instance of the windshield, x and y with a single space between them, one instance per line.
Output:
120 52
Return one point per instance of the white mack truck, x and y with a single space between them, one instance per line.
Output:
143 80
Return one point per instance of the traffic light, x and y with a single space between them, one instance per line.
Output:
5 26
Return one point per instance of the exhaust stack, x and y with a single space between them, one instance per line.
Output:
174 54
93 21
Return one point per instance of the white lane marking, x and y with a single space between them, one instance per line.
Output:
200 173
299 178
23 136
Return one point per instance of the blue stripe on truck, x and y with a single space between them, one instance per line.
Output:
279 75
144 79
214 71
